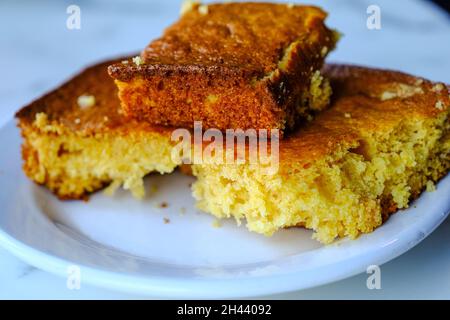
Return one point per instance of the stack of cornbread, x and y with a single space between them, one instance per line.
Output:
354 144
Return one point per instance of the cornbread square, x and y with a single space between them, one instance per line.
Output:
232 65
385 138
76 139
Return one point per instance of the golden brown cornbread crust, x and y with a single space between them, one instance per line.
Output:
241 65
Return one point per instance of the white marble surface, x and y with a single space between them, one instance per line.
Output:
38 52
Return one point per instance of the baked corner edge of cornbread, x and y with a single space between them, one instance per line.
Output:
75 149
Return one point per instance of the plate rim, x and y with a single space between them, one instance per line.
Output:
164 287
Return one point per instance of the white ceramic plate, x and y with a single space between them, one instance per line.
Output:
125 244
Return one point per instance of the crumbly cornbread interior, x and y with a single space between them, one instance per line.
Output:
72 164
346 193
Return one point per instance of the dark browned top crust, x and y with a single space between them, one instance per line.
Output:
242 38
255 59
247 36
61 105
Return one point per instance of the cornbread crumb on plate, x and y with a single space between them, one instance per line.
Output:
204 68
216 224
339 176
163 205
